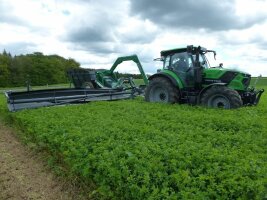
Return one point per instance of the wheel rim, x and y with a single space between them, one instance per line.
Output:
159 94
219 101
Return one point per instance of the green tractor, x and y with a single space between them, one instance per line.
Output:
187 77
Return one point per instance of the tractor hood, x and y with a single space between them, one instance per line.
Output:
217 73
236 79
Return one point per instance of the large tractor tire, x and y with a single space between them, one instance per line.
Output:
221 97
160 89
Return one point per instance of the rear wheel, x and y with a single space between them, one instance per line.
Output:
161 90
221 97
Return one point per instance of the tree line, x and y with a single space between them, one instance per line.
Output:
35 68
39 69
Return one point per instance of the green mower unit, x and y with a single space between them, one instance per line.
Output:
187 77
89 85
84 78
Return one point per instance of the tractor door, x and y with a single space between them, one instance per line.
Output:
182 65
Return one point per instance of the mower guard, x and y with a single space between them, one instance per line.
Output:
44 98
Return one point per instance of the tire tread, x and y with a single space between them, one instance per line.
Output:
173 91
232 95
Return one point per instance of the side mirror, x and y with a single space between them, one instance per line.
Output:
158 59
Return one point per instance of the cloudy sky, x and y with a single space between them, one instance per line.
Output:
96 32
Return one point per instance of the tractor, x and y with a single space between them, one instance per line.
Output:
187 77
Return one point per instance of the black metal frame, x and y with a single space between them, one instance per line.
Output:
44 98
251 97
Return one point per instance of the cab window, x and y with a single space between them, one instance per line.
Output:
179 62
167 62
202 60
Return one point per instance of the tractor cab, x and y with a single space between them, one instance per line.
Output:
183 63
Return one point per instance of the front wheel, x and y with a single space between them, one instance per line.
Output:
221 97
161 90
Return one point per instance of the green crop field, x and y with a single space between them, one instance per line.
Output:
262 81
132 149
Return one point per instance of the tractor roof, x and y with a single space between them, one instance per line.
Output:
190 48
172 51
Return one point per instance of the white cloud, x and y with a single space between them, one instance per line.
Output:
96 32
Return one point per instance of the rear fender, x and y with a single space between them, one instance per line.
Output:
175 81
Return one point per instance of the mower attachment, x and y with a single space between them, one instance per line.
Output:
44 98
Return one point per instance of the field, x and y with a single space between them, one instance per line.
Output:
262 81
137 150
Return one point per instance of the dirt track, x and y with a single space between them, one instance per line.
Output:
23 175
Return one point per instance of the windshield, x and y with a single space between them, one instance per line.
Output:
203 61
